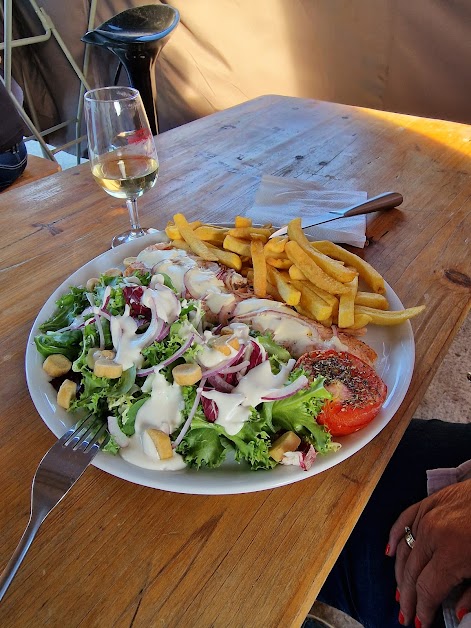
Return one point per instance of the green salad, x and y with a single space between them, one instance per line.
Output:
153 352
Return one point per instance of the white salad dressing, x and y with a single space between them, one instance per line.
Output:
211 358
287 331
240 330
185 273
234 407
260 305
141 452
203 283
335 343
167 305
217 300
162 411
150 256
292 458
175 270
123 333
260 381
232 414
128 345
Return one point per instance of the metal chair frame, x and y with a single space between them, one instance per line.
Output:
49 31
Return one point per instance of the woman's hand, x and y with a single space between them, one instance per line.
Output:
441 557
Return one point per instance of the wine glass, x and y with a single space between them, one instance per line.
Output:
122 153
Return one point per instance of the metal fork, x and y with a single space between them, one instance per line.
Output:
57 472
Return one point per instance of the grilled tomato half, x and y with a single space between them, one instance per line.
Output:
358 392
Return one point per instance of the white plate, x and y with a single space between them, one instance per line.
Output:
394 346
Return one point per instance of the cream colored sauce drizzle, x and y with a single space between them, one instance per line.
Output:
162 411
234 407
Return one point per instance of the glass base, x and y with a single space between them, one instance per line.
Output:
130 236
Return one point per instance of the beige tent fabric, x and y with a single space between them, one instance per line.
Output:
229 51
408 56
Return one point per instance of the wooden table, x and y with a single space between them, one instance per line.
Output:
37 168
116 554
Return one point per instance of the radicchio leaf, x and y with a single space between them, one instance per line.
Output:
210 408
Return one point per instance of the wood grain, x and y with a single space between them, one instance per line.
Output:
36 168
116 554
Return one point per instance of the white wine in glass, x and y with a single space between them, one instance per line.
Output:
121 149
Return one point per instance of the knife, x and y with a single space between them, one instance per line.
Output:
387 200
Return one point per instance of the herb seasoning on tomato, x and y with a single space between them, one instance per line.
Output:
357 391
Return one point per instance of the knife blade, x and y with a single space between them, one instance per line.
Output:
387 200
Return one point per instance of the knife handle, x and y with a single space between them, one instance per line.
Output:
388 200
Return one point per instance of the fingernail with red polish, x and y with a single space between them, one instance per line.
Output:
386 551
417 622
401 618
461 612
398 595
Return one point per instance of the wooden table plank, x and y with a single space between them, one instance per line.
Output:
36 168
117 554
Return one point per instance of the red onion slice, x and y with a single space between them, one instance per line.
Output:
236 368
105 314
222 365
121 439
186 425
172 358
220 384
101 334
287 391
163 332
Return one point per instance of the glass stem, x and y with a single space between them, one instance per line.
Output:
133 215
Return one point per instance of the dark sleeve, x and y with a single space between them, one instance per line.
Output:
12 127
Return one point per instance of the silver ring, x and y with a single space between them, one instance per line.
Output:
409 537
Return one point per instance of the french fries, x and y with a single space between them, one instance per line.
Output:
311 304
275 246
228 258
330 266
289 294
389 317
371 276
278 262
196 245
173 232
346 315
259 269
320 280
312 271
253 233
242 221
372 299
236 245
215 235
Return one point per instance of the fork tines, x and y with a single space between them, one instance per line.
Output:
85 434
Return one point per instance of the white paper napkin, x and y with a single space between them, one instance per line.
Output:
279 199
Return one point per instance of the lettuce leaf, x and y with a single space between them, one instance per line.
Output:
68 307
203 445
157 352
98 392
66 342
277 354
206 444
298 414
